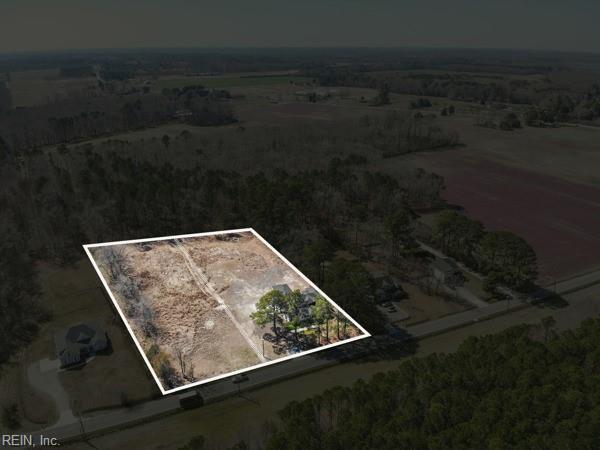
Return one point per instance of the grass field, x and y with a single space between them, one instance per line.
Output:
228 81
423 307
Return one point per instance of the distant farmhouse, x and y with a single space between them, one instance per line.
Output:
74 345
309 297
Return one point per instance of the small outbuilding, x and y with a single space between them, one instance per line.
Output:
445 270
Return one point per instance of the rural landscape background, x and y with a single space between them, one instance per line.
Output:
447 196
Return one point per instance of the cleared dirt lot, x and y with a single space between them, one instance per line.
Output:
186 318
241 271
190 300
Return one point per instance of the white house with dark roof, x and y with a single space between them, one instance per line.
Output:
309 296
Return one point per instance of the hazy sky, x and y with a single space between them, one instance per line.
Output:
70 24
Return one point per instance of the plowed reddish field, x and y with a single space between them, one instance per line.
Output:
559 218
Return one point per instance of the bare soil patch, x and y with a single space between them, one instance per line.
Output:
189 303
187 320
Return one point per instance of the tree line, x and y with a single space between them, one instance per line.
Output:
547 102
22 312
456 86
565 107
398 133
526 387
76 119
5 98
503 257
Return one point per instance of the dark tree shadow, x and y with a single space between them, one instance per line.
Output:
375 348
546 298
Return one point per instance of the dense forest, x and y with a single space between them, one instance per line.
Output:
526 387
56 201
19 294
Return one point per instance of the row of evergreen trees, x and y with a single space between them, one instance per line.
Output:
526 387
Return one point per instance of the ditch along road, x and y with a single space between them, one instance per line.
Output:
205 286
246 408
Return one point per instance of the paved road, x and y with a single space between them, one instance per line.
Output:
457 320
211 392
579 125
580 305
104 420
223 389
246 415
575 283
565 287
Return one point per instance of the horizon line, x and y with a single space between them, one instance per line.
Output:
36 52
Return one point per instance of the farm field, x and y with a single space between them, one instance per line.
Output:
568 152
542 184
188 302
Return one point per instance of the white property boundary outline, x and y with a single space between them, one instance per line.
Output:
86 247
